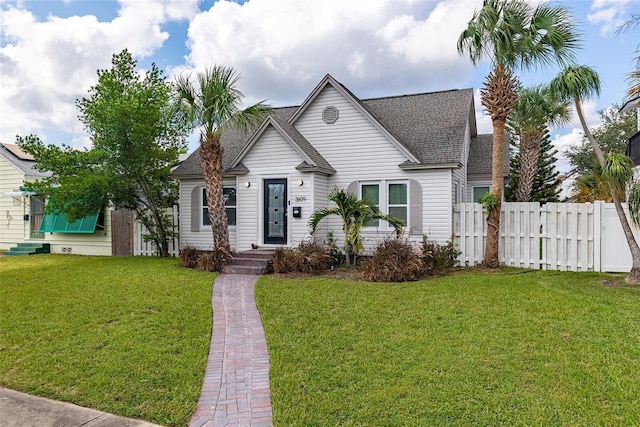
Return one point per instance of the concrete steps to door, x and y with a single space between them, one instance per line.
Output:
29 248
256 261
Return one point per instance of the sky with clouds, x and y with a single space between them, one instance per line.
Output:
50 51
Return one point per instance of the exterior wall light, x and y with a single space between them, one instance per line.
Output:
299 182
247 184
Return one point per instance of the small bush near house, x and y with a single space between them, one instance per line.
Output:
189 257
212 260
438 258
197 259
394 260
306 258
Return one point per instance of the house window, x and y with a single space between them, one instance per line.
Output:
229 195
205 209
389 197
478 192
371 194
397 198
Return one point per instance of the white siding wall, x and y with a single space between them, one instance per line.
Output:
248 212
13 228
302 196
358 150
202 238
437 209
320 200
460 174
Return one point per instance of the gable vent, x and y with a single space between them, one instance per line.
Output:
330 114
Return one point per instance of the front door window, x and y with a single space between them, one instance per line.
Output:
275 211
35 217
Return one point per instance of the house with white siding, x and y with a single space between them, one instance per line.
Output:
22 220
414 156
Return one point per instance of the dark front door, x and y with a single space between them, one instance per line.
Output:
275 211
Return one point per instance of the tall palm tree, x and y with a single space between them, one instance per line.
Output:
213 103
579 83
512 34
355 214
537 108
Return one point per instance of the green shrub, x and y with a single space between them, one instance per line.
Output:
394 260
306 258
438 258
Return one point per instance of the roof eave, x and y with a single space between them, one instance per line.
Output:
305 167
237 170
422 166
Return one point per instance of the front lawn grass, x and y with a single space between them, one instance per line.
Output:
514 348
123 335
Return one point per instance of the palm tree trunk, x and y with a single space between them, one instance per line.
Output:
491 258
634 273
499 95
211 161
529 153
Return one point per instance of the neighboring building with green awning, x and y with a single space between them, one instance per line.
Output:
57 223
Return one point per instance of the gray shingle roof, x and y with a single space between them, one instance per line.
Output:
23 161
481 155
431 126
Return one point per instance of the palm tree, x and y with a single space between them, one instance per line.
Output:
536 109
355 214
579 83
214 104
590 187
512 34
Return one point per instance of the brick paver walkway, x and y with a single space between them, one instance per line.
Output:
236 383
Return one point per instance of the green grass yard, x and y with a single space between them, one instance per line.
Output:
131 335
124 335
476 348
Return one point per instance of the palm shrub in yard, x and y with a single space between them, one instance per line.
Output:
399 260
394 260
437 257
306 258
191 257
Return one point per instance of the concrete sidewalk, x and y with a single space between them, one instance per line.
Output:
22 410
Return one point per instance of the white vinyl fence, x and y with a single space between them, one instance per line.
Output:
553 236
140 247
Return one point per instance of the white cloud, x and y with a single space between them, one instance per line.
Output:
47 64
609 14
284 47
590 113
483 120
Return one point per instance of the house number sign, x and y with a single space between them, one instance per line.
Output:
301 198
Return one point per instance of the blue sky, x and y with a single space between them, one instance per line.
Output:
50 51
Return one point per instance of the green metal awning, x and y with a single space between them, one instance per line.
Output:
57 223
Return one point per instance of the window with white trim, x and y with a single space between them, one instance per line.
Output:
389 197
371 194
479 191
229 195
